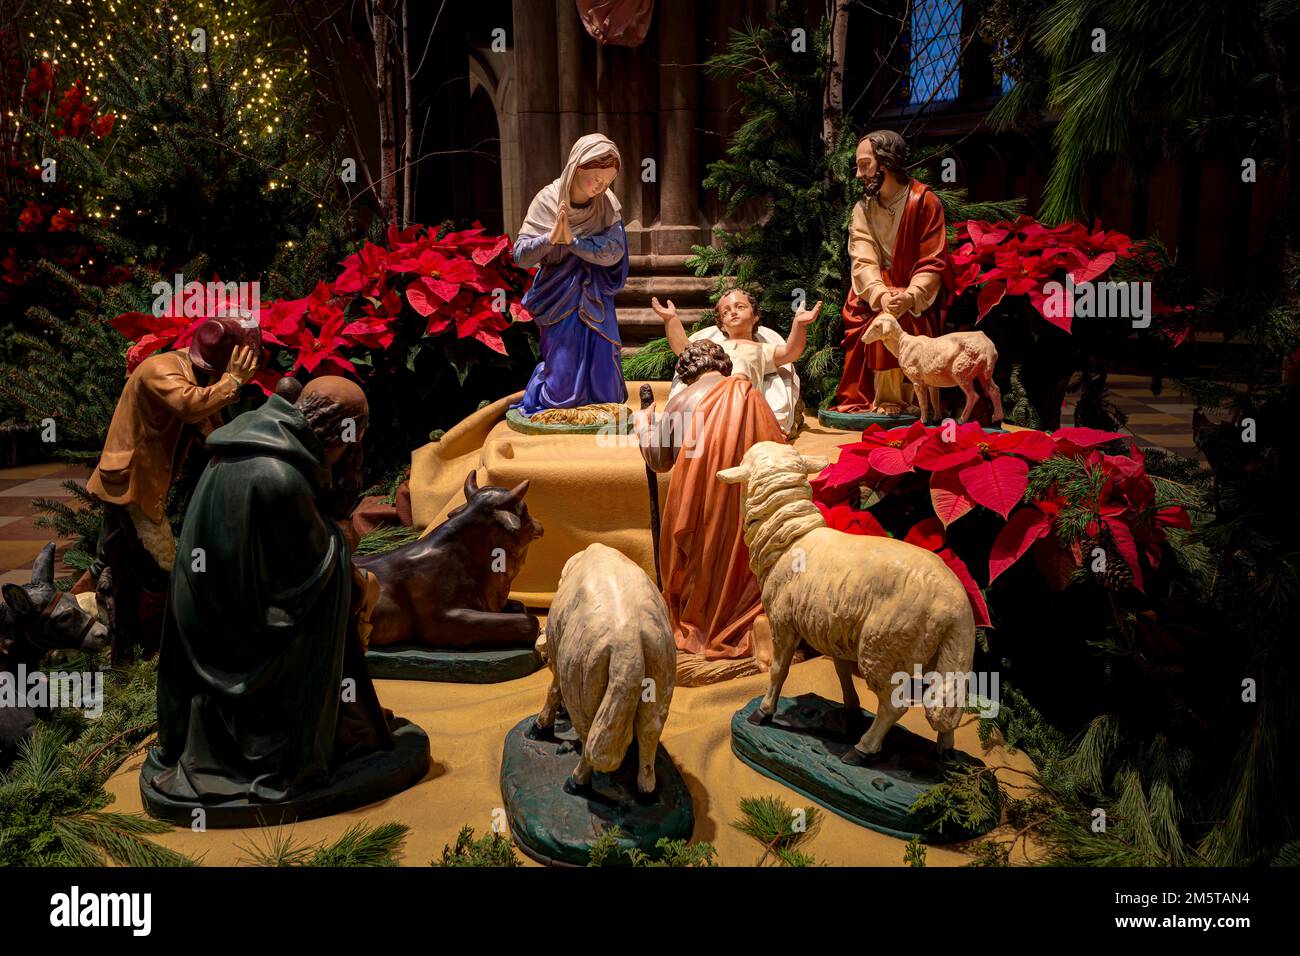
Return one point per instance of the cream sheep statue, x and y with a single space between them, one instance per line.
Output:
958 358
880 603
613 662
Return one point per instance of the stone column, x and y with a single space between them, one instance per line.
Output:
569 35
679 214
536 95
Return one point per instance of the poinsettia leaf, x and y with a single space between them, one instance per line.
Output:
979 609
998 484
1127 547
1084 437
491 339
927 533
948 497
850 520
1062 318
1174 516
935 454
1034 445
1025 527
421 301
890 460
485 254
992 293
134 325
839 480
1094 268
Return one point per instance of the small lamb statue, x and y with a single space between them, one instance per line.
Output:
881 603
958 358
614 663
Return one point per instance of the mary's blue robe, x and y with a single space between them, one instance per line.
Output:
572 300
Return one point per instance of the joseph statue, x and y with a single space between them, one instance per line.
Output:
899 259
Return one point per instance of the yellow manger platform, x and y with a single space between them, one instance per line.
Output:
466 724
584 488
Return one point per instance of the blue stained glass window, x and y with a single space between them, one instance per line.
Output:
935 49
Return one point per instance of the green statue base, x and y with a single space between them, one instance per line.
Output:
356 783
412 662
802 747
556 827
858 421
620 426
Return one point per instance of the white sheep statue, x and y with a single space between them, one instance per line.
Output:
958 358
885 605
613 662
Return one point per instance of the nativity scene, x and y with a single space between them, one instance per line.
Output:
634 429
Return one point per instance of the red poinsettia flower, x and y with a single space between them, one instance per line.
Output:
40 79
30 217
1020 257
485 324
319 352
880 452
370 333
441 280
388 306
363 271
977 467
282 322
152 333
1124 506
844 517
63 220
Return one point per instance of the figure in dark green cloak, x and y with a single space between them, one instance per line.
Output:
262 686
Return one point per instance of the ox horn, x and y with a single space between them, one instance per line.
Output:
471 484
43 569
518 491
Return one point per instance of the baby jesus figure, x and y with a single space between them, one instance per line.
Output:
756 353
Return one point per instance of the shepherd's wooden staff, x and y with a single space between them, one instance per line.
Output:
648 399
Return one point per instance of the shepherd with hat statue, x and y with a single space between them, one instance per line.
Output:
146 444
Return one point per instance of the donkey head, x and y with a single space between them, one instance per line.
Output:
38 617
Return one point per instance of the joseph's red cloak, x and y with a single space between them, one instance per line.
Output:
713 597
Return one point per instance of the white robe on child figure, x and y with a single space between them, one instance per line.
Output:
779 387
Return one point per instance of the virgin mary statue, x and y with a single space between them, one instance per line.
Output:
574 229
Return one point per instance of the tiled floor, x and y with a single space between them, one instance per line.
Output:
1156 421
20 540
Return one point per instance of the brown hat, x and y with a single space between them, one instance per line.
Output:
215 340
336 390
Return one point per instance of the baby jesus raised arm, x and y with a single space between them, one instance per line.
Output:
737 318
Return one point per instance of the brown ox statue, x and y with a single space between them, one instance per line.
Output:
451 588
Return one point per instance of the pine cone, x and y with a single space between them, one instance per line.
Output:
1117 575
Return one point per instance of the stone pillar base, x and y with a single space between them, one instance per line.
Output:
661 240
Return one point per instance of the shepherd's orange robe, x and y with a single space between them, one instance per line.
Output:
920 245
713 597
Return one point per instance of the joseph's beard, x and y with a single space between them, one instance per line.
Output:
871 187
